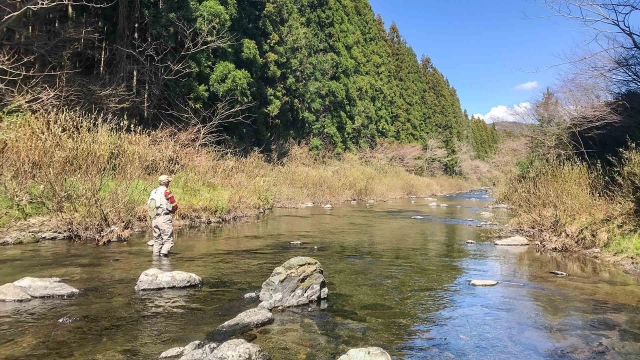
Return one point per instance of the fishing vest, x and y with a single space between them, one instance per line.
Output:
161 203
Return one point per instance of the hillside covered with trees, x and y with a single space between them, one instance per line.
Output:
266 73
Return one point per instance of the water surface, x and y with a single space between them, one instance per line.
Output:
395 282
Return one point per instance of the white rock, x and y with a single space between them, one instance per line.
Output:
238 349
370 353
295 242
11 292
559 273
513 241
202 353
417 217
150 242
172 353
47 287
444 205
251 296
154 279
328 206
483 282
433 204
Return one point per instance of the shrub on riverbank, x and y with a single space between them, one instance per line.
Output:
568 206
93 172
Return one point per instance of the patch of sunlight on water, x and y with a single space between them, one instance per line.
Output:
395 282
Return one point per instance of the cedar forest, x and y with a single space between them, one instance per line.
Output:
269 73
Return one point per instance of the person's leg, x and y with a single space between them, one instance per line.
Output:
157 235
167 234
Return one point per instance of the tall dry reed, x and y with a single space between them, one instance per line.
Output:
93 172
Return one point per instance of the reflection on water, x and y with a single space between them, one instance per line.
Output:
394 282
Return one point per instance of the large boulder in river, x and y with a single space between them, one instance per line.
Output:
155 279
370 353
239 349
244 322
513 241
297 282
28 288
231 350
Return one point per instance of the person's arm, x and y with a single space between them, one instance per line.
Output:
172 201
150 197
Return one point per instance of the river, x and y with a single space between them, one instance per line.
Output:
394 282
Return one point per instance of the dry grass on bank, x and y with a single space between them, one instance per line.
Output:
565 207
92 174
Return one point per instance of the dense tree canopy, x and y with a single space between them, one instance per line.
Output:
327 72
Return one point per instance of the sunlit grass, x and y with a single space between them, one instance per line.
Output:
93 172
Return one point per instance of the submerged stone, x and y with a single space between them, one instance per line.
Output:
244 322
558 273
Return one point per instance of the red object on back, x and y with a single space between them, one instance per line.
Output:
172 201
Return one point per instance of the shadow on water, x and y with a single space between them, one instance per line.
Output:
395 282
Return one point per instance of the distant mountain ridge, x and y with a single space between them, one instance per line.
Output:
517 128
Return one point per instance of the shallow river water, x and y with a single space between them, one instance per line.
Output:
394 282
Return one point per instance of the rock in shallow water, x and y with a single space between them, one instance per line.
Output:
483 282
11 292
231 350
28 288
154 279
513 241
244 322
297 282
49 287
370 353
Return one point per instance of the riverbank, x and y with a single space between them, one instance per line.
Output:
569 207
87 178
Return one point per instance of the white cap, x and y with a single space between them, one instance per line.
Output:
163 179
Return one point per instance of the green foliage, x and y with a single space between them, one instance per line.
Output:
329 73
327 70
484 138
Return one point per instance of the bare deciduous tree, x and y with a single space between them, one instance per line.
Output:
616 38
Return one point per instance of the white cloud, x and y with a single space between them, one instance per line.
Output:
527 86
503 113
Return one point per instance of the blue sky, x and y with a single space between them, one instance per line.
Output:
486 48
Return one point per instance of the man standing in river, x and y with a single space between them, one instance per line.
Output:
162 201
